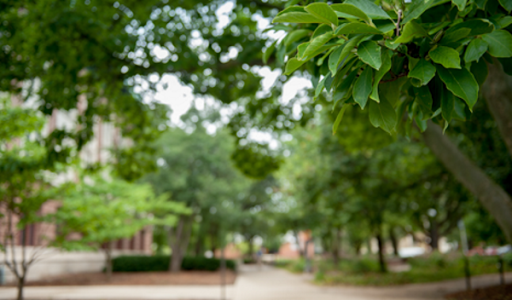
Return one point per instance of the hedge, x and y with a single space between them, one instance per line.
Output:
140 263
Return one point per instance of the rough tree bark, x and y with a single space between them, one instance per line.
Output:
497 92
492 196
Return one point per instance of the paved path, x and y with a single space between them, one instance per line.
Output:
273 284
253 283
141 292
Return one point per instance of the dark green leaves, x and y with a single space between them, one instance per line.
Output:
383 115
475 50
461 83
424 71
323 12
507 4
411 30
363 87
500 43
369 52
461 4
386 65
448 57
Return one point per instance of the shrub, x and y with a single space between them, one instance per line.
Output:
160 263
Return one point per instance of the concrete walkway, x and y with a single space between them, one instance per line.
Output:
140 292
272 284
254 283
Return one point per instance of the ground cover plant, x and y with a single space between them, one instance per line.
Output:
156 263
432 268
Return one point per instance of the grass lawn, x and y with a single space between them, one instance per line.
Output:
364 270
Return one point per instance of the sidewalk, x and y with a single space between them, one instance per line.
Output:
273 284
144 292
254 283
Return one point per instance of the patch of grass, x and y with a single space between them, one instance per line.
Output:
435 267
292 265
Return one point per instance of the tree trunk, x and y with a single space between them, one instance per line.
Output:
175 263
492 196
251 247
434 236
357 248
186 237
199 247
336 246
296 235
380 244
497 92
108 260
21 285
394 241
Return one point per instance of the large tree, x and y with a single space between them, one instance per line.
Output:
420 63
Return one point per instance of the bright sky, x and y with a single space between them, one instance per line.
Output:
180 97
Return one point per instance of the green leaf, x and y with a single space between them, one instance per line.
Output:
291 9
350 11
475 50
295 35
320 87
424 71
316 44
321 29
504 22
423 99
500 43
386 65
369 53
507 4
339 58
339 118
448 57
370 9
480 71
461 83
292 65
356 28
363 87
506 63
297 17
324 12
343 90
454 36
301 49
461 4
447 104
418 7
477 26
411 30
383 115
268 52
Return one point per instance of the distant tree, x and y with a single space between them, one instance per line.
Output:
101 211
27 171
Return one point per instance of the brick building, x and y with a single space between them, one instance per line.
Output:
36 236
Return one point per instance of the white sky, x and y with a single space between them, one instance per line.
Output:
180 97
